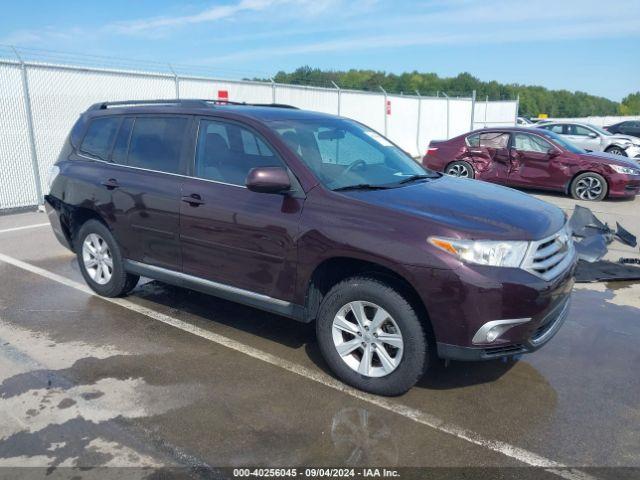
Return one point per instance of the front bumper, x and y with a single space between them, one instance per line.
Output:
546 329
622 185
459 301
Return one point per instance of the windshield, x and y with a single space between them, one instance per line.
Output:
561 141
601 131
344 154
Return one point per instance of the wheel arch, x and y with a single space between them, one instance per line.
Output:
72 219
575 175
332 270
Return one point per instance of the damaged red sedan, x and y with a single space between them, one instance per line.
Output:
534 158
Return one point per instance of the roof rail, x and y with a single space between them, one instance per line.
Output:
124 103
182 102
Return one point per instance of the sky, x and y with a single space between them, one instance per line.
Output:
586 45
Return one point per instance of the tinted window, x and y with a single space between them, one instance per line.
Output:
121 146
156 143
226 152
530 143
99 137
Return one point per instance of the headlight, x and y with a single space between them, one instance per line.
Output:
625 170
484 252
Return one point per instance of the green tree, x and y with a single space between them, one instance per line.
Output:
630 104
533 99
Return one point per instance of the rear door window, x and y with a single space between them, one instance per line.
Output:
494 140
99 138
156 143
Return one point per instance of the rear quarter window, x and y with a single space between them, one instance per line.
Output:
99 137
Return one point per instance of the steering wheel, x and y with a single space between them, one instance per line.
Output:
353 166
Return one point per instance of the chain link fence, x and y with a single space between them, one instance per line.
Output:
42 95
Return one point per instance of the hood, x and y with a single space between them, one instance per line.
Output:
471 208
609 158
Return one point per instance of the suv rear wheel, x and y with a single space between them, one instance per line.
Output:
372 337
100 261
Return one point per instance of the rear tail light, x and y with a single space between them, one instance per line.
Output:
432 150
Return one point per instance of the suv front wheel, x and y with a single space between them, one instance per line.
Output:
100 261
372 337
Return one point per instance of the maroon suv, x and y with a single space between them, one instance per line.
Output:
317 218
534 158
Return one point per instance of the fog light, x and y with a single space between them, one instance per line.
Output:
490 331
493 334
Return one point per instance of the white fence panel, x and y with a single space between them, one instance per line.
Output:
59 96
402 122
367 108
494 114
237 91
60 93
459 116
308 98
17 182
433 121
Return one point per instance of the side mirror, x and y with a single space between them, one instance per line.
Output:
268 180
553 152
593 135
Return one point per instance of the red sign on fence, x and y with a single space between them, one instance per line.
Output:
388 107
223 95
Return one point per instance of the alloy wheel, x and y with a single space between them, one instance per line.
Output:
458 170
367 338
616 151
97 259
589 188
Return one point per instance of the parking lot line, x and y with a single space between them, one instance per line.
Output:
26 227
416 415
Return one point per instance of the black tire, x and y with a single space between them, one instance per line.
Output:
120 282
457 168
582 180
416 355
616 151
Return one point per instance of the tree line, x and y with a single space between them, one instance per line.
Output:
534 100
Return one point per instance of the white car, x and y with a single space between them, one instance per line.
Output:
595 139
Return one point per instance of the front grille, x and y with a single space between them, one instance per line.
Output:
551 256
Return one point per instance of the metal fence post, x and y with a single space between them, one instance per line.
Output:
418 126
30 130
339 94
517 109
473 109
486 109
385 109
176 80
273 91
447 96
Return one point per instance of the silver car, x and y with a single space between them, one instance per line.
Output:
595 139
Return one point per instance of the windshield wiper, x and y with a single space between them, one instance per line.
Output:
413 178
361 186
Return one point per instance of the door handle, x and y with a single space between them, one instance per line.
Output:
194 199
111 183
